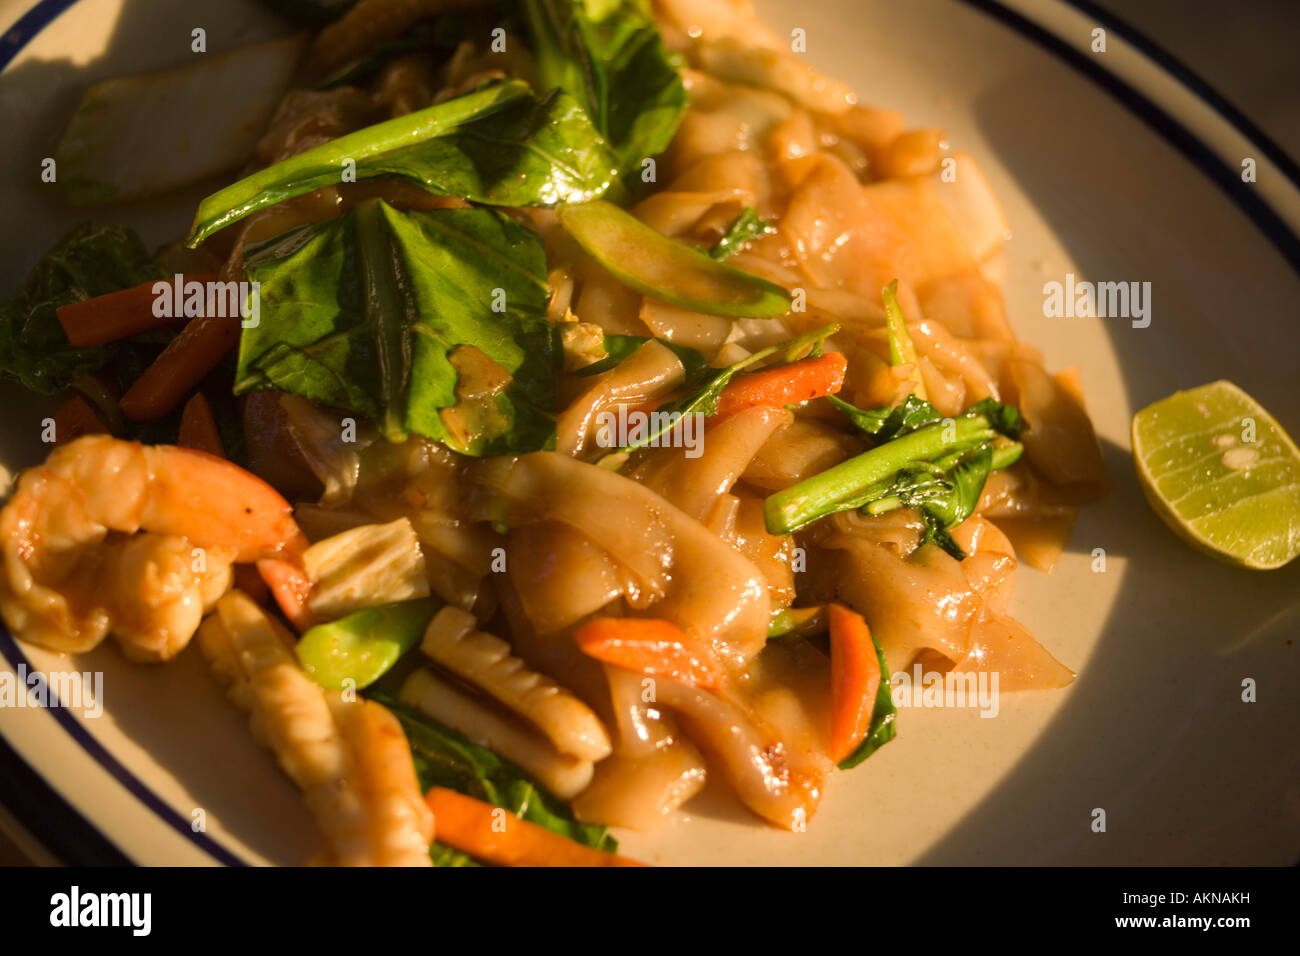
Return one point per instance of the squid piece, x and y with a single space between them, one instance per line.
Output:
453 640
357 780
563 774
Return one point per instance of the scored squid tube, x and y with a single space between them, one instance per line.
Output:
563 774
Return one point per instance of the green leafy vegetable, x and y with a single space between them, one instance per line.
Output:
887 421
703 400
608 55
884 717
745 229
444 758
364 645
83 264
649 262
426 322
923 461
498 145
1005 418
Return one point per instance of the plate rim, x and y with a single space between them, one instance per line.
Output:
1031 21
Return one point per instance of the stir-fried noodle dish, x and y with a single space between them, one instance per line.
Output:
569 405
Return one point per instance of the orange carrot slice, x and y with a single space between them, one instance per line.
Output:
785 384
187 358
855 678
199 427
495 835
652 646
117 315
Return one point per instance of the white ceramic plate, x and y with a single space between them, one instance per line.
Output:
1110 168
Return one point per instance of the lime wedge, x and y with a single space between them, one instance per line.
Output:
1222 473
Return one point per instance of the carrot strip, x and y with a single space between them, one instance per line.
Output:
652 646
117 315
495 835
74 418
199 427
290 587
785 384
855 678
187 358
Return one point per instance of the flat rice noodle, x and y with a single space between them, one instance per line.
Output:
1039 542
695 330
641 726
868 128
775 69
953 357
675 212
947 393
801 449
771 553
922 602
723 118
560 575
1059 441
777 779
719 19
728 446
741 175
641 792
700 582
1001 645
652 371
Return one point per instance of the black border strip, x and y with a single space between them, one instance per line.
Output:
91 843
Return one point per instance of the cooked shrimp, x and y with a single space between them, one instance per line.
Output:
111 536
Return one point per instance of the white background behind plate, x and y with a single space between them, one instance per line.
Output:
1153 731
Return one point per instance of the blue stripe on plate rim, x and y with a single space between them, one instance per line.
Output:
1177 135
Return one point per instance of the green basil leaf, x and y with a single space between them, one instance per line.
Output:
498 145
1004 418
609 56
83 264
370 312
